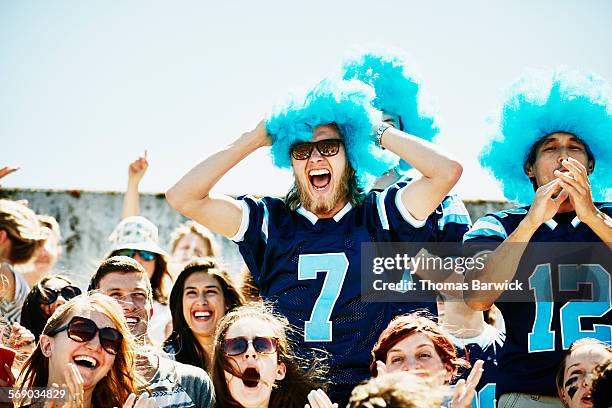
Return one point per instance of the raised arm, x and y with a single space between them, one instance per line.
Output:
501 264
439 172
131 199
191 194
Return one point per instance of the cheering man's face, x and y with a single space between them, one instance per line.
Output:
321 172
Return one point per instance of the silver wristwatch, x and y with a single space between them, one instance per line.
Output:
379 132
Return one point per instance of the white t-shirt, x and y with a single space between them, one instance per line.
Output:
158 323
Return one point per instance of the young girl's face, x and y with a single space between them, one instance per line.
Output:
258 363
578 374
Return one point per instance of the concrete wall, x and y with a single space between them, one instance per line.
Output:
87 218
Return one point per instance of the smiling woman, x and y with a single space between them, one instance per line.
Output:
201 295
87 345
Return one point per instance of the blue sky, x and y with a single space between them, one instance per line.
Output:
86 86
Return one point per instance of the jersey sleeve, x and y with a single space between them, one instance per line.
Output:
396 219
486 229
252 236
454 221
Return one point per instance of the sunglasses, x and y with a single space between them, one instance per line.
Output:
326 147
239 345
49 296
144 255
82 329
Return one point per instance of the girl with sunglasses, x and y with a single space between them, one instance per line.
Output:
42 300
201 296
87 345
575 374
254 364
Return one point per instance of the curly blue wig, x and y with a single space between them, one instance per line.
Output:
544 103
347 104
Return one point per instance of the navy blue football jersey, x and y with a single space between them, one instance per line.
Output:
485 347
448 223
540 330
310 269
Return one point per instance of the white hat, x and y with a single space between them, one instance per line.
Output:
136 232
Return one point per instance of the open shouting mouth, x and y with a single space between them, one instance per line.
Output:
319 179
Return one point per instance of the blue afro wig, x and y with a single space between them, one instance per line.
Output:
544 103
347 104
398 91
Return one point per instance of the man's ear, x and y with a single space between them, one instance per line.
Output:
529 170
151 312
281 370
3 236
45 344
590 167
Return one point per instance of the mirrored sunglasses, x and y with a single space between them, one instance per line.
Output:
144 255
239 345
326 147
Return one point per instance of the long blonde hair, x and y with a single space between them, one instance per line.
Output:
120 381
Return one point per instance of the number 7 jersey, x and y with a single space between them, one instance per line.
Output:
311 269
539 331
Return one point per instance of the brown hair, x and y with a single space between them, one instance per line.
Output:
192 227
121 380
401 389
588 341
290 392
120 264
187 348
417 322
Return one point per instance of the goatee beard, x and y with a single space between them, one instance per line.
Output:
308 201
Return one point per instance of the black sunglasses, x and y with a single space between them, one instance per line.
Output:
238 345
327 148
82 329
49 296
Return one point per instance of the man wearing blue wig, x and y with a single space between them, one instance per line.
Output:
304 251
557 124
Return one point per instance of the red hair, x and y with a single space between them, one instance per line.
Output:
406 325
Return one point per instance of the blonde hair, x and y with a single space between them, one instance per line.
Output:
120 381
192 227
401 389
